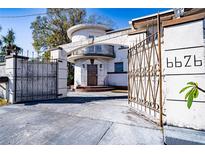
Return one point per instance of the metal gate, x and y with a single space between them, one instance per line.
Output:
145 77
35 79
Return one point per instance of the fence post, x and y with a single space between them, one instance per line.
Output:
62 71
10 72
160 67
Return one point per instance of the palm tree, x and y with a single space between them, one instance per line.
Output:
0 39
1 43
9 43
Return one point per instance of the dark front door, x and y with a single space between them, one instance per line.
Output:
92 75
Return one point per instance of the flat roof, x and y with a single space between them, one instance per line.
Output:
118 30
151 15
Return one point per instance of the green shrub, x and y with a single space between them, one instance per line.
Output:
3 101
193 92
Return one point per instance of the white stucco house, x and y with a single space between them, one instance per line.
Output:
103 62
100 56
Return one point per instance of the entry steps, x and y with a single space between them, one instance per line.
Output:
93 88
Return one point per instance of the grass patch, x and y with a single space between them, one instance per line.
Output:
3 102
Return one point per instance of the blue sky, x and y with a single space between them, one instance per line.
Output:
21 26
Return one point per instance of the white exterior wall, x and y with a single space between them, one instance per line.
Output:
184 39
121 56
77 73
3 90
2 69
106 75
10 73
81 73
3 86
118 79
61 55
85 33
121 79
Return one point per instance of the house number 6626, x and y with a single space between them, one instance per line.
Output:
187 61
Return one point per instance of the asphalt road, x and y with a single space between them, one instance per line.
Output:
80 119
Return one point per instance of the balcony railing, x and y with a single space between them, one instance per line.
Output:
96 50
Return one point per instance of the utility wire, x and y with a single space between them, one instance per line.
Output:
22 16
29 15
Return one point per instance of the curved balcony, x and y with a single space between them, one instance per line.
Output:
95 51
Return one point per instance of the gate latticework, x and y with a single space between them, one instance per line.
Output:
145 78
35 79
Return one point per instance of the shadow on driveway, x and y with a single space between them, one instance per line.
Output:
73 100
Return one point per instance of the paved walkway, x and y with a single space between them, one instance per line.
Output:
81 118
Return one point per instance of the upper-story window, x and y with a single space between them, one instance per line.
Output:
91 48
98 48
119 67
91 36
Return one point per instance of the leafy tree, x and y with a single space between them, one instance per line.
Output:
0 38
51 30
1 43
192 93
46 55
8 44
70 74
96 19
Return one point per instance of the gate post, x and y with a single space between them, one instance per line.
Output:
184 61
160 68
10 69
62 71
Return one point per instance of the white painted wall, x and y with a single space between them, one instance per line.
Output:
61 55
10 73
3 86
2 69
120 79
77 73
184 35
3 90
121 56
178 38
81 73
84 34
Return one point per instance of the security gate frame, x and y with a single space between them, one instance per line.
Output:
145 76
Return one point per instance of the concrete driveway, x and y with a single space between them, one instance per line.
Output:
81 118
